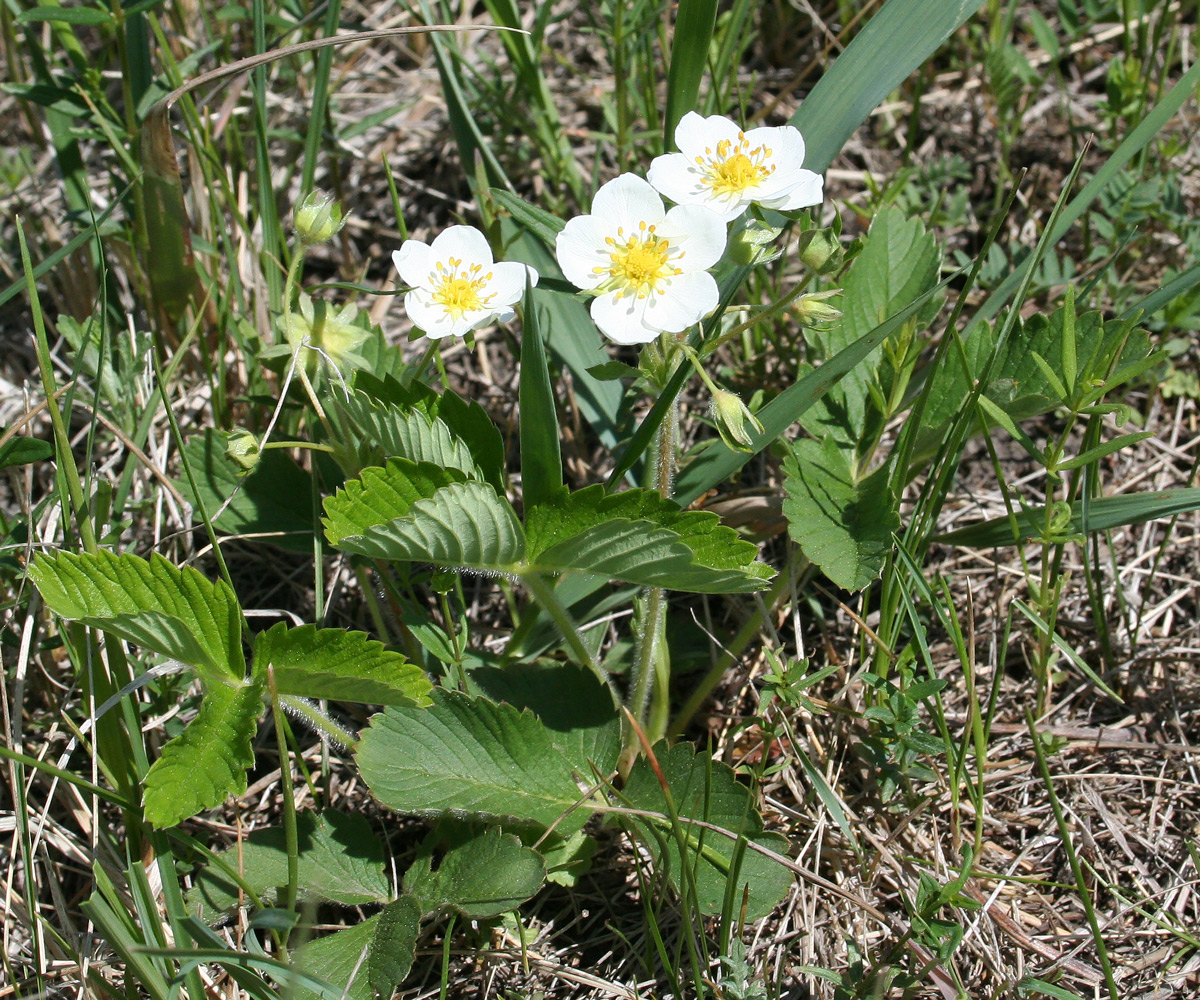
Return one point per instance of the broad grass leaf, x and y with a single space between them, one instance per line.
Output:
542 224
481 874
390 431
899 263
208 761
470 757
463 525
843 526
1103 514
274 499
24 451
337 664
571 337
177 612
706 790
340 861
718 462
541 449
891 45
638 537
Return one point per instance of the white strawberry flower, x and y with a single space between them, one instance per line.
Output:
726 169
456 286
647 267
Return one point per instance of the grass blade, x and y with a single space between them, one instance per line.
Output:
689 57
541 458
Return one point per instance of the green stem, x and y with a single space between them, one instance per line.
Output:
543 592
318 720
291 833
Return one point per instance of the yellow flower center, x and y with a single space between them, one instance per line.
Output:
735 167
638 264
458 290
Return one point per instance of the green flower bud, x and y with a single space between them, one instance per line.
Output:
752 246
731 416
319 218
820 251
243 448
812 309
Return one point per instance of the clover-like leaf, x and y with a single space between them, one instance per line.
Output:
843 526
337 664
473 758
177 612
207 762
706 790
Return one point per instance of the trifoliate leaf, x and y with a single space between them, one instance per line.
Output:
382 495
843 526
340 861
207 762
337 664
706 790
177 612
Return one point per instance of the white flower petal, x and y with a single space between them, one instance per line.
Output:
619 318
808 190
431 317
626 201
785 143
580 249
413 261
685 299
694 133
465 243
507 284
698 232
677 177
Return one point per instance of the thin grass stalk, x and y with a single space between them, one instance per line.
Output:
1064 833
319 100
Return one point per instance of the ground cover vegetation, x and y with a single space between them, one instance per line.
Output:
611 500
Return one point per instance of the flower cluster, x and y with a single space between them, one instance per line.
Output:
646 267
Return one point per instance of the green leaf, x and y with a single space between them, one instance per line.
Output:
208 761
639 537
341 959
463 525
843 526
481 874
472 757
719 462
571 337
393 946
337 664
65 15
689 59
568 699
391 431
892 44
898 264
537 221
340 861
24 451
706 790
1102 514
541 450
275 499
381 495
178 613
